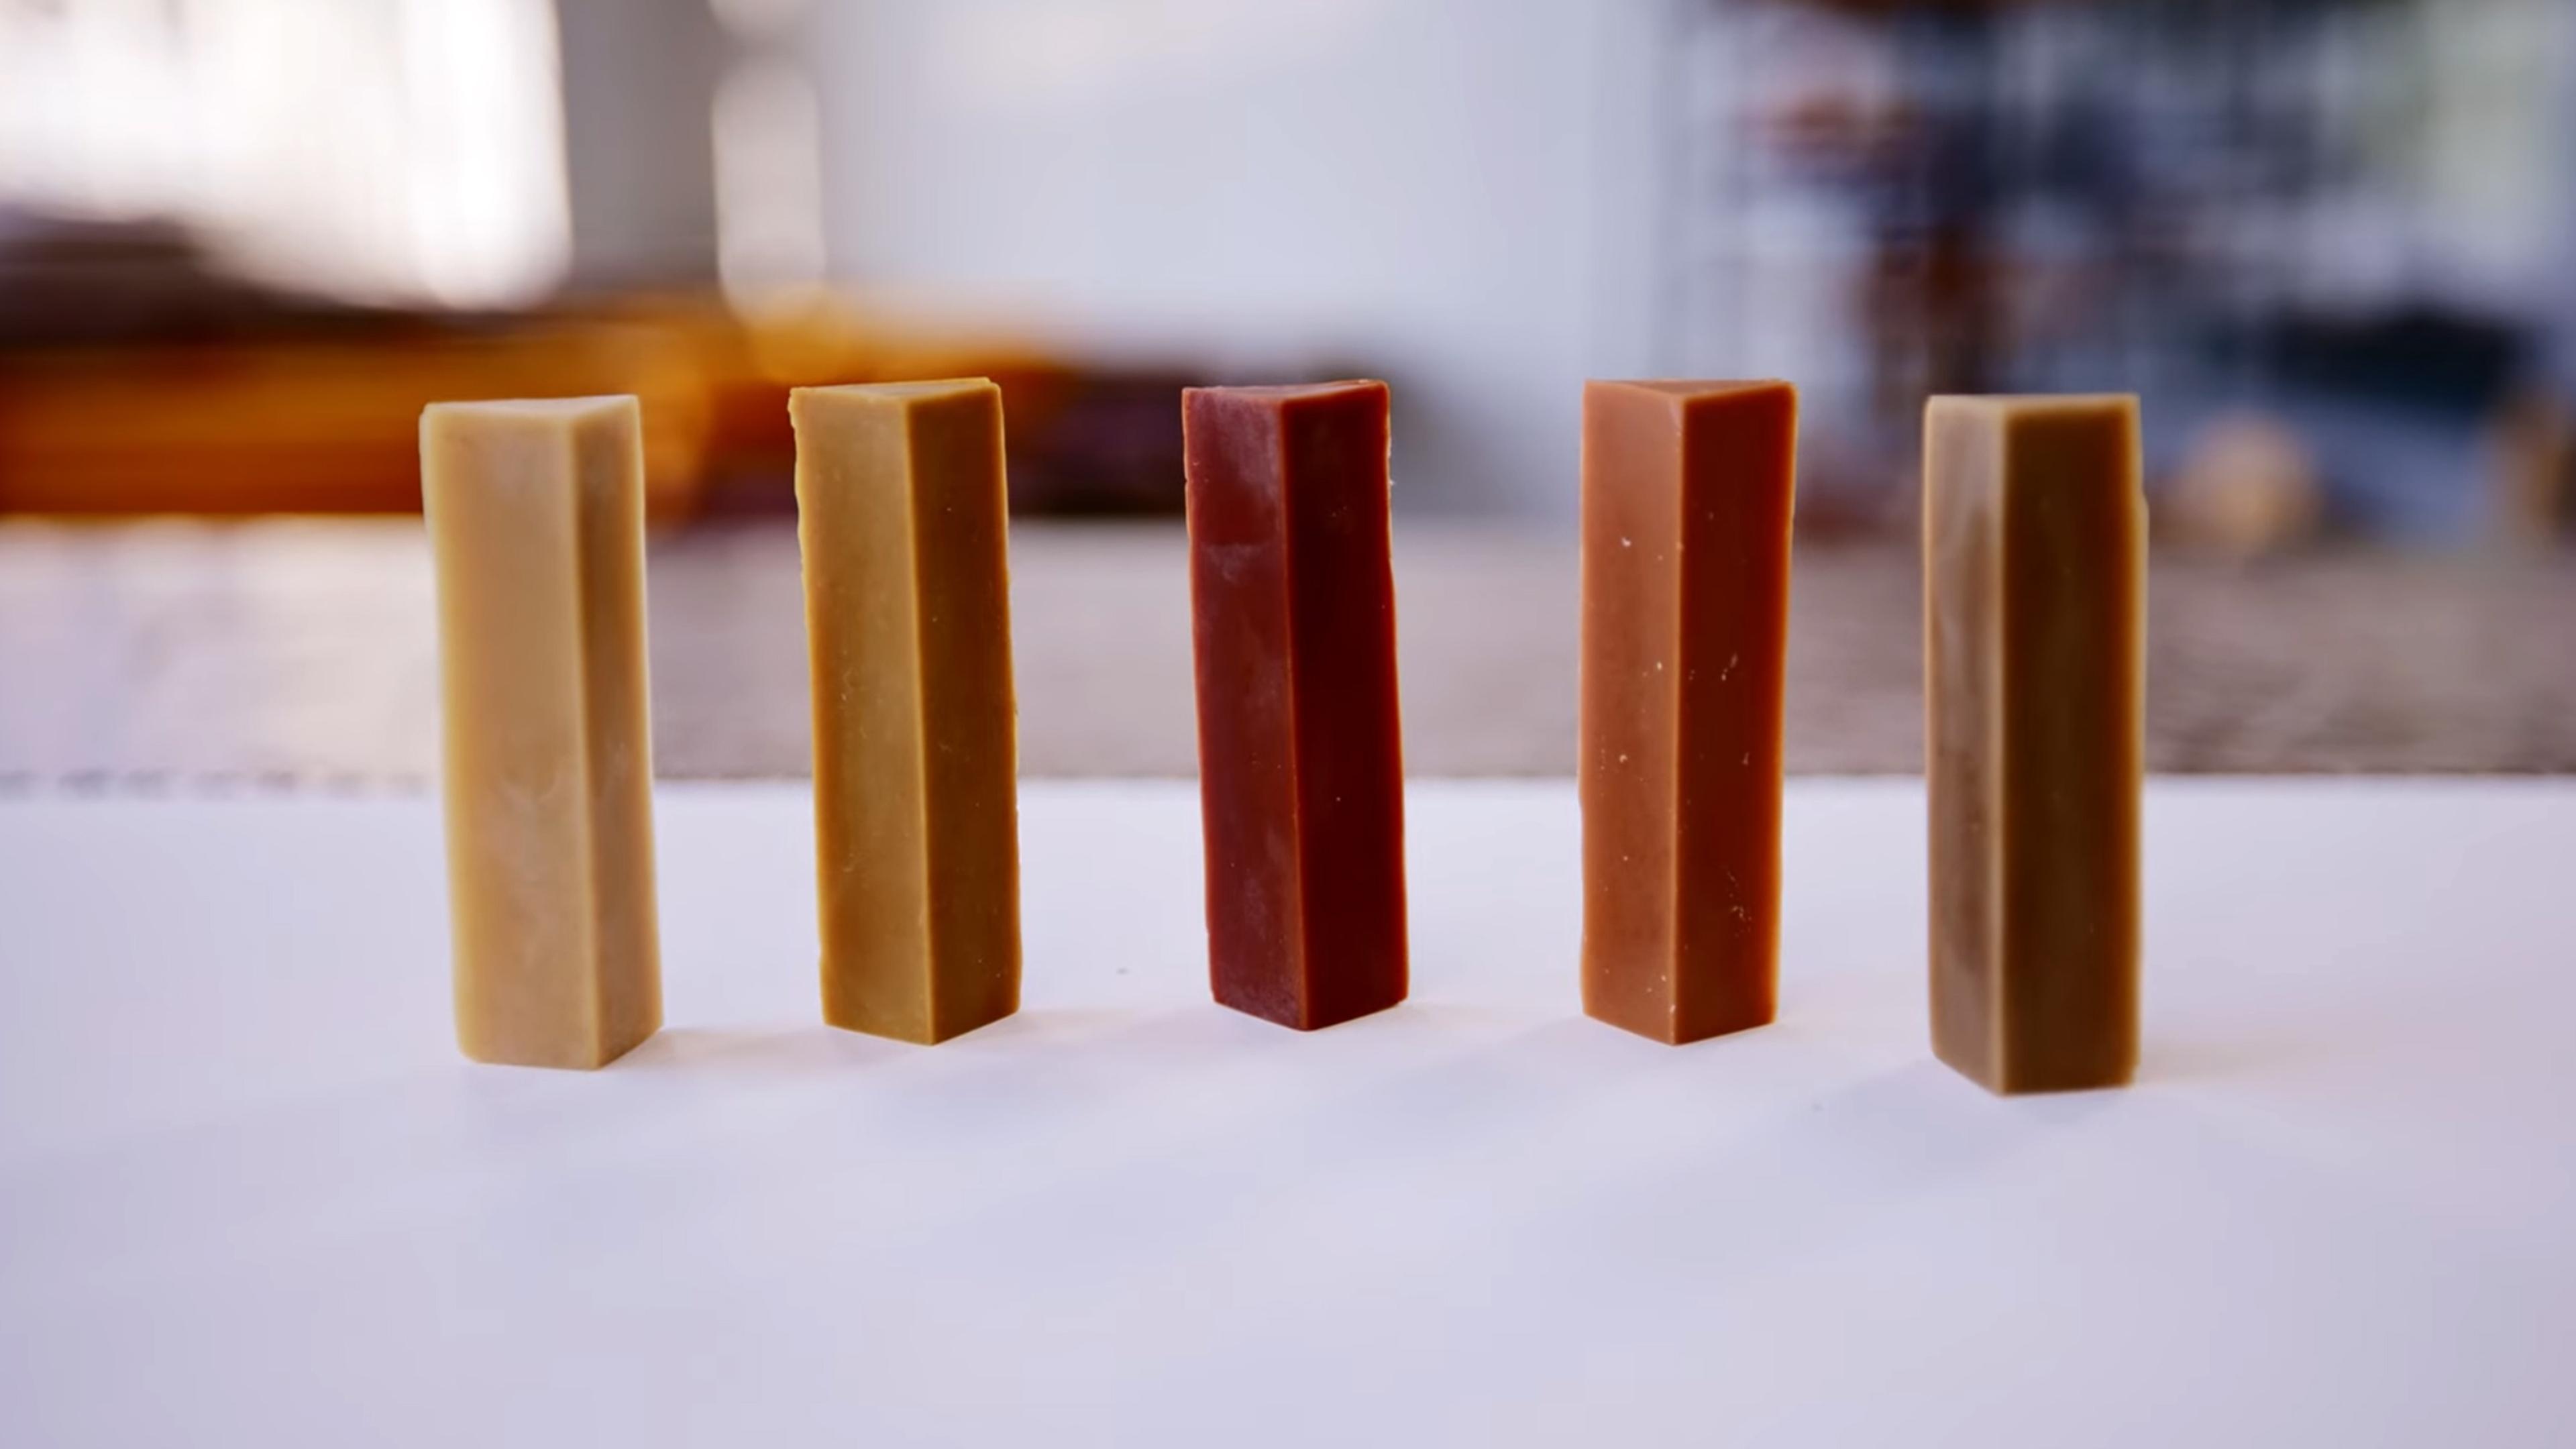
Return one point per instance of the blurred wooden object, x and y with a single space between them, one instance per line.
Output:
304 425
2532 474
2247 487
134 380
1081 439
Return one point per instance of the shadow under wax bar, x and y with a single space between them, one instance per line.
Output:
1301 774
901 517
2034 610
1687 494
536 521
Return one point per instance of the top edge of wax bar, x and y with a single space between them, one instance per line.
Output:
1682 389
2028 403
1282 394
537 408
895 394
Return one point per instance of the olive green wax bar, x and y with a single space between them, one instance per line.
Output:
2034 609
902 519
536 522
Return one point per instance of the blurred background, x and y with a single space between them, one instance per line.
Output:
2331 242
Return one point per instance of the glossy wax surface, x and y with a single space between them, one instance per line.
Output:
536 520
1687 496
2034 576
903 528
1300 760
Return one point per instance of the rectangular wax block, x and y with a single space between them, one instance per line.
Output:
2034 612
1687 493
536 520
1301 774
901 516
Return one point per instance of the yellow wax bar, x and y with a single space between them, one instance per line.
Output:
902 517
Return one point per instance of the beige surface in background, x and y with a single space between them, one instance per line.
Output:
299 652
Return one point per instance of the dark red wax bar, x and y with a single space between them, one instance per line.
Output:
1301 774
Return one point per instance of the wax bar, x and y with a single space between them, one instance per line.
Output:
1687 492
901 516
536 521
2034 585
1300 764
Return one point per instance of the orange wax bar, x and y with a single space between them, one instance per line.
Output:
1687 495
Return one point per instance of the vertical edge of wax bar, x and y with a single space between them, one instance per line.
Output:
1344 689
916 846
2074 521
534 512
2033 617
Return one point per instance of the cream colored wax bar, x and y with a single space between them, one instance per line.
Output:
901 514
536 517
2034 608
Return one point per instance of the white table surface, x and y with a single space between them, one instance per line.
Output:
250 1195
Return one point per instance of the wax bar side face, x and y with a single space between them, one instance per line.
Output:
1628 717
1738 495
1963 727
854 529
1687 498
2074 742
1237 510
610 449
970 769
2035 632
535 516
901 522
1299 758
1350 749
